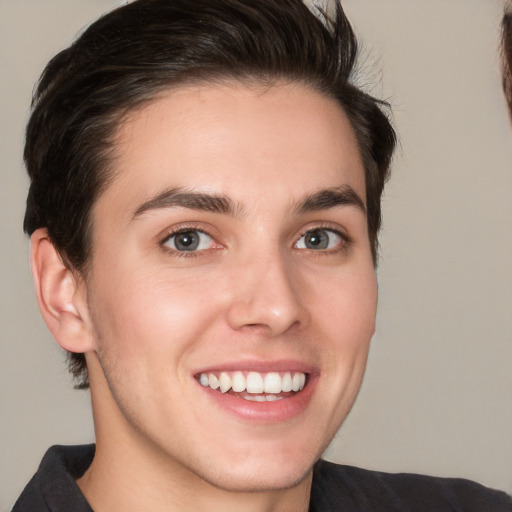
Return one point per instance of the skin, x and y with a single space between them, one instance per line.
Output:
150 317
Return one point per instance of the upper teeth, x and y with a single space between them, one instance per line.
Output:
254 382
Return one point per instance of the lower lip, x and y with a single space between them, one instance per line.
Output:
265 412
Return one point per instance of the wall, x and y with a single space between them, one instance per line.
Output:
437 396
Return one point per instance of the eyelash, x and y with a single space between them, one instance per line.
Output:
177 231
344 244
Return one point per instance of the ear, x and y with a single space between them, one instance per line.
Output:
61 295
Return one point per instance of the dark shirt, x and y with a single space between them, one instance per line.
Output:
349 489
335 488
53 488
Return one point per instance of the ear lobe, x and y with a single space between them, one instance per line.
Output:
60 295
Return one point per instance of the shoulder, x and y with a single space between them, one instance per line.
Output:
53 488
337 487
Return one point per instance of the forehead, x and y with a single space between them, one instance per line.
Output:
246 142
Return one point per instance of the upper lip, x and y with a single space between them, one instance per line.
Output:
261 366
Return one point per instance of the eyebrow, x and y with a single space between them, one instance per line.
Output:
183 198
331 197
179 197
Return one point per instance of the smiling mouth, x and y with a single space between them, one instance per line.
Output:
255 386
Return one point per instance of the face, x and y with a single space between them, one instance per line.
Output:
232 293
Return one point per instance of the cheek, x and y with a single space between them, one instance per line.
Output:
348 306
149 315
346 316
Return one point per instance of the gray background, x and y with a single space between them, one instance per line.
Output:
437 395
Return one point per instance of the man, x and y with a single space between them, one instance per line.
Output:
203 211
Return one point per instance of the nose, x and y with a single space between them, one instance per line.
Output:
269 297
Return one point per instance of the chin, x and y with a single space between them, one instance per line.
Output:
251 482
259 475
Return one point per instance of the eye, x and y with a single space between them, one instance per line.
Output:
189 241
319 239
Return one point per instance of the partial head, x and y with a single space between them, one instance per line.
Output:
507 54
136 53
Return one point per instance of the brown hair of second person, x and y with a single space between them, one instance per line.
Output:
507 54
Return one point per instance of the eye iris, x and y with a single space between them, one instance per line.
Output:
317 239
186 241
